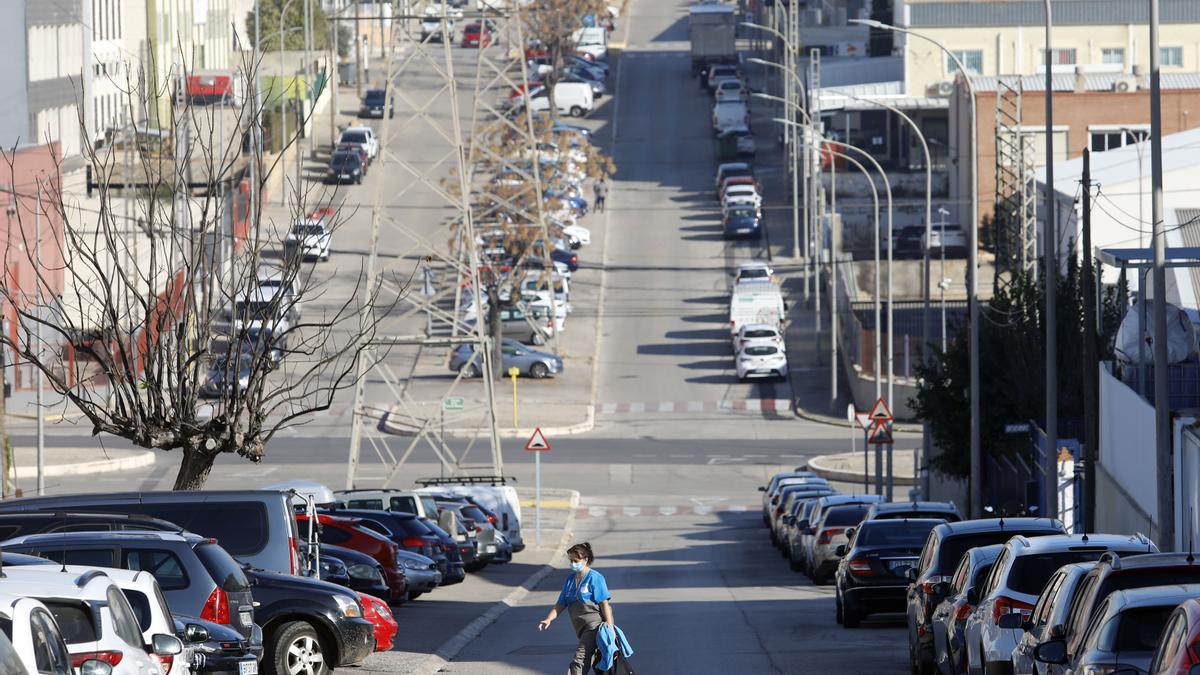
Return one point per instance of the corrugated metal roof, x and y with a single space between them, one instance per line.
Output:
1033 13
1093 81
890 93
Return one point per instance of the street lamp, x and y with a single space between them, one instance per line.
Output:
925 287
972 264
795 177
283 109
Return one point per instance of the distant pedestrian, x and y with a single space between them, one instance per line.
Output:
585 597
600 189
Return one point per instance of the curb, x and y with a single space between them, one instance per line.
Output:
451 648
136 461
588 423
842 476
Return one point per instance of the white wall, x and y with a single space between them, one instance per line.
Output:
1127 440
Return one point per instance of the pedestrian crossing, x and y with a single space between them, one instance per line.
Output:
663 510
762 405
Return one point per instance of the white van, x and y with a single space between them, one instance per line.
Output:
592 40
730 115
755 302
572 98
499 499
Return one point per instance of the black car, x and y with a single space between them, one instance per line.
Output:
334 571
373 103
455 571
41 522
872 575
364 572
742 222
345 167
216 649
412 534
943 549
307 616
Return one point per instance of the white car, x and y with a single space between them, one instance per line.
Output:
730 89
762 360
94 614
755 271
272 279
362 136
757 334
36 638
310 238
154 618
741 194
578 233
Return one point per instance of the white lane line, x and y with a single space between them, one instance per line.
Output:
681 456
666 406
637 407
695 406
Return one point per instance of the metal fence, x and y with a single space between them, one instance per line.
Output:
909 340
1183 382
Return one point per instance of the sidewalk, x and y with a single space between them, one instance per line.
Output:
78 461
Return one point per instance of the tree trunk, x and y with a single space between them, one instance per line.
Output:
194 470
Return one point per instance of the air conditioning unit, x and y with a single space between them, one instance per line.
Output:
945 88
1125 84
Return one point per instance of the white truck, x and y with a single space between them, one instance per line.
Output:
712 28
755 302
730 115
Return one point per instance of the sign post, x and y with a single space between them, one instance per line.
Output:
537 444
450 404
880 435
864 421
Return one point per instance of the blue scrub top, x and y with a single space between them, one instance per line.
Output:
594 589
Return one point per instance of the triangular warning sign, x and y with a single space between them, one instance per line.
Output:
864 420
880 412
880 434
537 442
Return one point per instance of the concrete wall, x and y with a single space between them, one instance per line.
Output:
1126 493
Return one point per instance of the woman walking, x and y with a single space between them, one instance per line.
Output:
585 597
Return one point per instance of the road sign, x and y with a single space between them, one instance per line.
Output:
453 403
880 434
850 413
864 420
880 412
537 442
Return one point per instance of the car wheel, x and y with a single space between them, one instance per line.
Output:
576 111
538 371
838 610
538 338
296 650
850 616
469 370
415 594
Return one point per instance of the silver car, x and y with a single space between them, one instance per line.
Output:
527 361
1049 615
1123 632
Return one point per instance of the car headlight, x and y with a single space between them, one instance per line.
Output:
348 606
363 571
412 565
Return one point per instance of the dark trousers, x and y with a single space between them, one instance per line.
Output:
585 655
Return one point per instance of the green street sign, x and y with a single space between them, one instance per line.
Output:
453 403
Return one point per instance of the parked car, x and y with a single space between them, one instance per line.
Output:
769 489
389 499
757 333
154 619
753 272
1176 654
730 170
254 526
961 593
1048 616
943 549
1115 572
947 511
364 573
758 361
309 238
830 533
453 569
729 89
346 166
871 573
196 575
362 136
791 539
33 640
379 614
489 492
216 648
778 502
742 221
479 34
405 530
1123 632
37 522
350 533
375 101
528 362
717 73
528 325
571 98
422 572
1018 576
309 626
432 27
730 114
263 345
741 196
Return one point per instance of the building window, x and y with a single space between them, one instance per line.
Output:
1060 57
972 60
1170 56
1113 55
1103 138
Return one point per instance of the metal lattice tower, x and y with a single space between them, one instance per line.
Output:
460 114
1015 223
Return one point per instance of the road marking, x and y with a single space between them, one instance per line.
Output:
681 456
762 405
631 511
666 510
713 461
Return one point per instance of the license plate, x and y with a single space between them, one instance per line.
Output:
491 548
248 668
894 565
246 616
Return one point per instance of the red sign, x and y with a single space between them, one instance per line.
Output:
537 442
880 434
881 412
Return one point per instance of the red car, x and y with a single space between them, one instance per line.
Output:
346 532
1179 643
376 611
478 34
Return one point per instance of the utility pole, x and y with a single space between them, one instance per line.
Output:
1162 396
1091 413
335 75
41 376
358 51
1050 236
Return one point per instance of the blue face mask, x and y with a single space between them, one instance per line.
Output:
577 566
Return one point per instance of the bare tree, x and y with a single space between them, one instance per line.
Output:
168 309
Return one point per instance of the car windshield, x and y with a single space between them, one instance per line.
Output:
1030 573
374 96
345 158
1138 629
953 548
851 514
753 273
759 333
895 533
353 137
742 213
759 351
